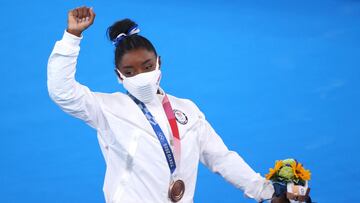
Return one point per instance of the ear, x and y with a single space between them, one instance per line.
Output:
159 62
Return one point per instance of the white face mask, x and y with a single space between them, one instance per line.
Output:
143 86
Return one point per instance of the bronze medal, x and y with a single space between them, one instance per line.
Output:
176 190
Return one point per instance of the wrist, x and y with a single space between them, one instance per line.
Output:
74 32
71 39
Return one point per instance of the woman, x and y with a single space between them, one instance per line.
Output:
152 142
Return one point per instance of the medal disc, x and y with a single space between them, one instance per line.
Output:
176 190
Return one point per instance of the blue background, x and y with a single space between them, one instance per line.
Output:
276 79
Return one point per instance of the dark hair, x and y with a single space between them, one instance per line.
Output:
129 43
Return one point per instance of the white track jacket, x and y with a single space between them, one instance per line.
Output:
136 167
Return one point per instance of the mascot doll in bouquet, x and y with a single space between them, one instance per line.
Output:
290 181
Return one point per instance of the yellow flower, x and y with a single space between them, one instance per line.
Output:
294 168
300 172
278 165
297 169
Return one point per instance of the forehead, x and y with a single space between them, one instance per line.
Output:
136 56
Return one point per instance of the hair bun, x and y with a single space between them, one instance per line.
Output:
122 26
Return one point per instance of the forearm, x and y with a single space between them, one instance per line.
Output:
62 67
237 172
216 156
71 96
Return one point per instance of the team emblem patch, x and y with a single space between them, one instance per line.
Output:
180 117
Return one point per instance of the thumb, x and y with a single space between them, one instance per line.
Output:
72 15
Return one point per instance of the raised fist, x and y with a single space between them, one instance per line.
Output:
79 19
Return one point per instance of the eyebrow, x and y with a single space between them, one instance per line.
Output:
146 61
143 63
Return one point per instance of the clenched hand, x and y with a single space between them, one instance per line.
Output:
79 19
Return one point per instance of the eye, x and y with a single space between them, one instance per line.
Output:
149 67
128 73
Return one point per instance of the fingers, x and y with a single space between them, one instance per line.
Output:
82 14
92 15
86 14
72 13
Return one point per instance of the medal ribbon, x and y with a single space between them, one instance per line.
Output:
159 133
174 128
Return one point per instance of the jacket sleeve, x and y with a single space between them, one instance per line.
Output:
219 159
71 96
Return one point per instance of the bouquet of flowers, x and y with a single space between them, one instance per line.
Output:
291 178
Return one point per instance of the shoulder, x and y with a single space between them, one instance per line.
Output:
187 105
112 98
